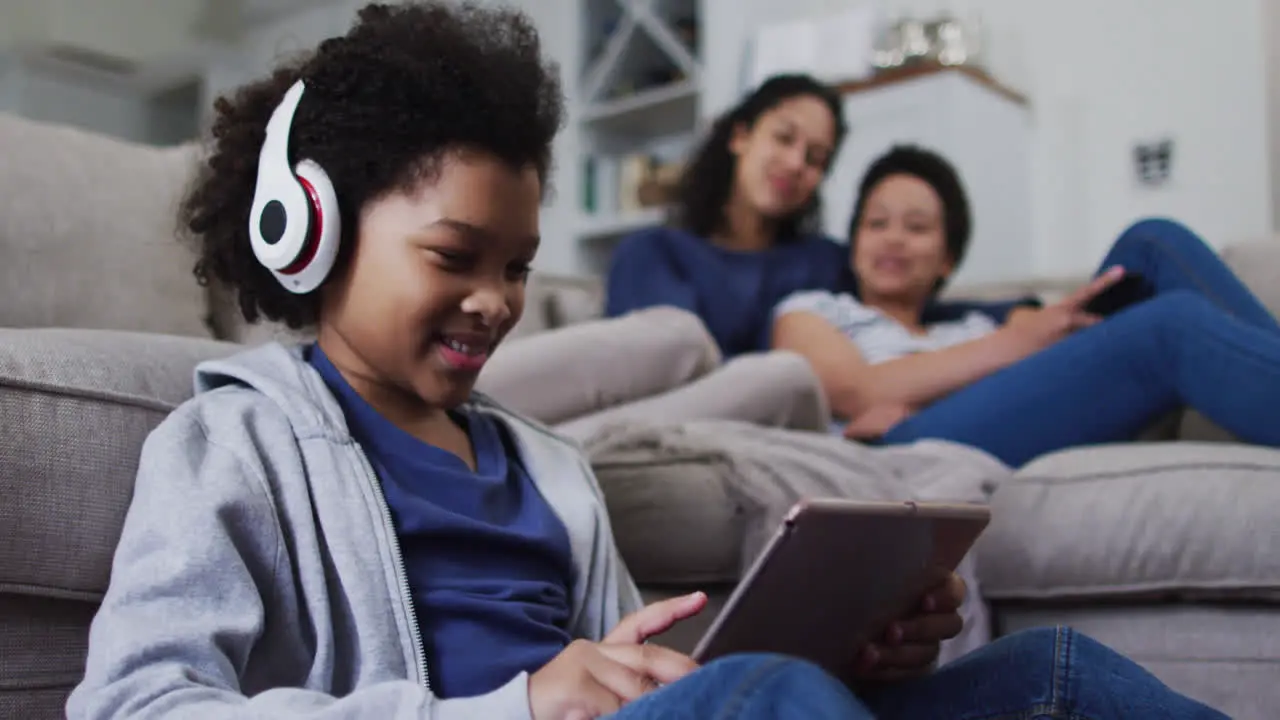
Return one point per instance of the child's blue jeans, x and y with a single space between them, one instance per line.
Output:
1043 673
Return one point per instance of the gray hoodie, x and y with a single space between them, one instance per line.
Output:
258 573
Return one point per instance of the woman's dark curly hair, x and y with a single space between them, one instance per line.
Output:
708 178
408 83
941 176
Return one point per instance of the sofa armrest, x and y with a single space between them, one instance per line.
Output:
75 408
579 369
1257 263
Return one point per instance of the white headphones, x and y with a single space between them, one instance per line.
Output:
294 227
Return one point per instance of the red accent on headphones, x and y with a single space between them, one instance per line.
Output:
313 238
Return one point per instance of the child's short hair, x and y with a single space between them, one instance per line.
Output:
407 83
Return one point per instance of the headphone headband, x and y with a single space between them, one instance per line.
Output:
275 148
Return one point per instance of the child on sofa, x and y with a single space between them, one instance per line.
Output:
344 529
1184 332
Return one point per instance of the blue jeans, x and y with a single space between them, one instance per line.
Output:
1202 340
1044 673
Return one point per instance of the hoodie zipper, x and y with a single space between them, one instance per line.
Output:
402 577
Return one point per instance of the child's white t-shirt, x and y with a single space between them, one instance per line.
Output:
881 338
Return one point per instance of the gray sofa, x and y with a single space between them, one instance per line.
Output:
1167 550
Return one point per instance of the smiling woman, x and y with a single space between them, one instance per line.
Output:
746 232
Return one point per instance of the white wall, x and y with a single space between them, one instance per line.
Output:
1188 70
1101 75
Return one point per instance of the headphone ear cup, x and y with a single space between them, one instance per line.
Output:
319 251
280 219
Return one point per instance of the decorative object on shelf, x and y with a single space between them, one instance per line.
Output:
660 185
944 40
912 41
632 170
956 43
629 183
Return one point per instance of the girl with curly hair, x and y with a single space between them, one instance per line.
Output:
344 529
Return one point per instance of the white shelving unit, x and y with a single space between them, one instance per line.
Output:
640 95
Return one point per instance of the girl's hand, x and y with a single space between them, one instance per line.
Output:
876 420
1041 328
911 645
588 680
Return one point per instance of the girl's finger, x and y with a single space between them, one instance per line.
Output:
661 664
620 680
930 628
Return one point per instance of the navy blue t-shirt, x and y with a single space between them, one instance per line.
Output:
733 292
488 561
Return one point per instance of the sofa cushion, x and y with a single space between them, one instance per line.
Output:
1257 263
43 644
88 233
674 517
586 367
75 407
573 300
1183 519
694 502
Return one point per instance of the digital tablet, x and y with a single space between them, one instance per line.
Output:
836 573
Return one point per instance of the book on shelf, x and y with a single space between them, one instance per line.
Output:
629 183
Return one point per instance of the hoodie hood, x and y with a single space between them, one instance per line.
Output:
283 376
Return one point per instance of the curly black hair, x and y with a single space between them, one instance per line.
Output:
384 102
708 177
941 176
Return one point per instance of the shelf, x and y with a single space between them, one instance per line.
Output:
886 78
601 22
602 68
655 112
633 45
602 229
640 92
662 22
